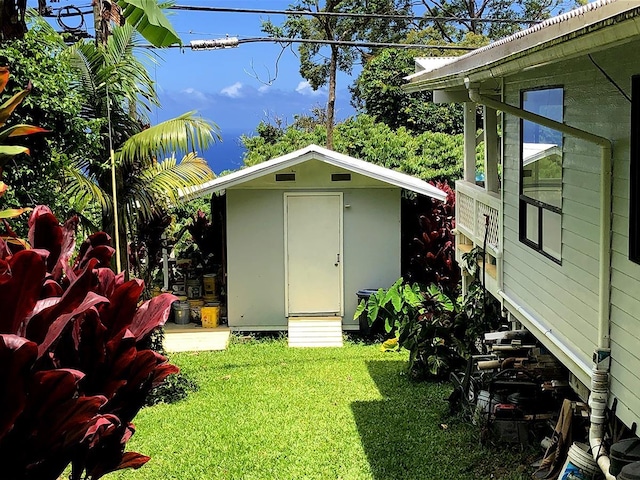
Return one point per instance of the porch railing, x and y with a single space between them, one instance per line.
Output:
473 205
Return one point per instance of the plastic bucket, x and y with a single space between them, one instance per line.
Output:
195 306
193 288
485 404
181 312
210 315
209 298
580 464
209 283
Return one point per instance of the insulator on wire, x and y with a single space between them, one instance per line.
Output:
213 44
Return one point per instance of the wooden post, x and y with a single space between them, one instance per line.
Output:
491 182
470 142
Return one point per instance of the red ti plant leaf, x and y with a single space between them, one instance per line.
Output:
45 232
21 130
17 355
151 314
109 456
75 294
19 289
59 324
96 246
118 313
4 78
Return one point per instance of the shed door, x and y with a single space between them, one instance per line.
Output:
313 253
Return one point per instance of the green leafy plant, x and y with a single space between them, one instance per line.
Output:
7 135
424 322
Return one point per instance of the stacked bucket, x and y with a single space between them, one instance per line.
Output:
210 312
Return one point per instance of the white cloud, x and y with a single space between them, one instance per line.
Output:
304 88
232 91
264 88
197 94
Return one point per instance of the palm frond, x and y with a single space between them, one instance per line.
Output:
84 188
157 186
184 133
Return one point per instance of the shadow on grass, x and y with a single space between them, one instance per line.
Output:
403 434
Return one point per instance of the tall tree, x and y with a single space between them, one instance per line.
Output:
378 89
118 93
319 64
474 11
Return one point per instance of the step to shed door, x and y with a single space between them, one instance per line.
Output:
315 332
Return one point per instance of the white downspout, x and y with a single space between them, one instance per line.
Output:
600 373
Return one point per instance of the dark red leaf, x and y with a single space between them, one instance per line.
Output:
151 314
17 355
19 289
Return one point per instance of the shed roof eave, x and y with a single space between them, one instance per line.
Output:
391 177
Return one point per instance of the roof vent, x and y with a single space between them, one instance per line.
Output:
285 177
340 177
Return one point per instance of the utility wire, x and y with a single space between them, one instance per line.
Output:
350 15
232 42
193 8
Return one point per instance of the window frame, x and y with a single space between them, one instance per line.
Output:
525 200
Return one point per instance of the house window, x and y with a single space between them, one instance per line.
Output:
634 173
541 174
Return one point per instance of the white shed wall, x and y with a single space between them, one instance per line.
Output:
255 244
565 297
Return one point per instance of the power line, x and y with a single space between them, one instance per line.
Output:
192 8
232 42
350 15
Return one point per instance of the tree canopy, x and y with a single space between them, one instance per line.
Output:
429 155
319 64
474 11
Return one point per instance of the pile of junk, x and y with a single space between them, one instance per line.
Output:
198 296
518 393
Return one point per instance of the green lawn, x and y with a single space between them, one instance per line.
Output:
265 411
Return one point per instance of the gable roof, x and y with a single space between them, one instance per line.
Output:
314 152
594 25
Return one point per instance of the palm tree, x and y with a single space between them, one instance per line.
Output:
119 93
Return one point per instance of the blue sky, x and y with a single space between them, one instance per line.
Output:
231 87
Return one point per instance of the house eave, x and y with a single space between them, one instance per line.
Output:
609 24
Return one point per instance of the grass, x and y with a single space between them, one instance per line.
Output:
265 411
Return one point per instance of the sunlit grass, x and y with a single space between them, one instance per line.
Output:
265 411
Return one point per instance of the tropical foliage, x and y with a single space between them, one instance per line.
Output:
41 59
377 91
8 135
119 93
319 64
521 12
75 370
428 241
145 16
429 156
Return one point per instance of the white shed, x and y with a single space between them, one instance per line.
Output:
305 232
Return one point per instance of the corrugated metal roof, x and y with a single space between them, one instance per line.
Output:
591 14
314 152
